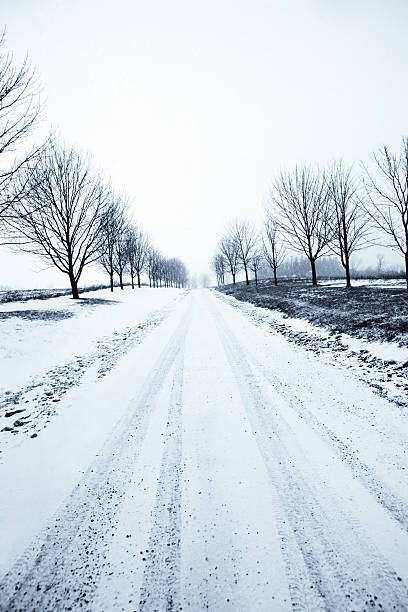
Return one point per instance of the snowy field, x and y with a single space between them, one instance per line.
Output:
47 346
383 283
203 454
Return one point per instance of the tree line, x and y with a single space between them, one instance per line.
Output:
54 204
317 212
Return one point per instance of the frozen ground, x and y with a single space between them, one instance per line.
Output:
383 283
222 465
370 311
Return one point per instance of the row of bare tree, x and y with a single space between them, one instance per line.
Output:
125 248
55 205
320 212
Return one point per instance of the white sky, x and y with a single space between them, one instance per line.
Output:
192 106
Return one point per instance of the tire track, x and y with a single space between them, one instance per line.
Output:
390 501
161 580
394 504
387 379
61 569
318 537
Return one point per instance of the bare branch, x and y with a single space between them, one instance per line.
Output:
58 211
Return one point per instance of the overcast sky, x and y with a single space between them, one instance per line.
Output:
192 106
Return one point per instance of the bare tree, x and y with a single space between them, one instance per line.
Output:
255 264
140 253
174 273
229 249
121 250
380 263
60 212
273 248
388 197
159 269
256 258
349 219
301 203
245 237
110 232
153 266
19 112
219 265
131 238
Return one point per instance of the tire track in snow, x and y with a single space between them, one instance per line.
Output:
161 580
61 569
387 379
394 504
390 500
323 545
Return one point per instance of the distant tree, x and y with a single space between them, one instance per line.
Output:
245 238
177 273
131 240
273 248
387 192
219 266
380 263
121 250
162 271
228 247
330 267
140 253
19 113
149 264
60 211
348 218
257 258
154 258
296 267
300 203
204 280
110 233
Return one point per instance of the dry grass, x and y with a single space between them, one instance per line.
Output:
372 313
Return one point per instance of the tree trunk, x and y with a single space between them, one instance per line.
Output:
233 279
138 280
133 280
256 278
275 278
314 277
74 287
348 279
246 275
121 279
406 268
111 281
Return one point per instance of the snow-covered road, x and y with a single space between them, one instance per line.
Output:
216 467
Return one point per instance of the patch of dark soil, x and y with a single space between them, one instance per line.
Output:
37 315
13 412
95 302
